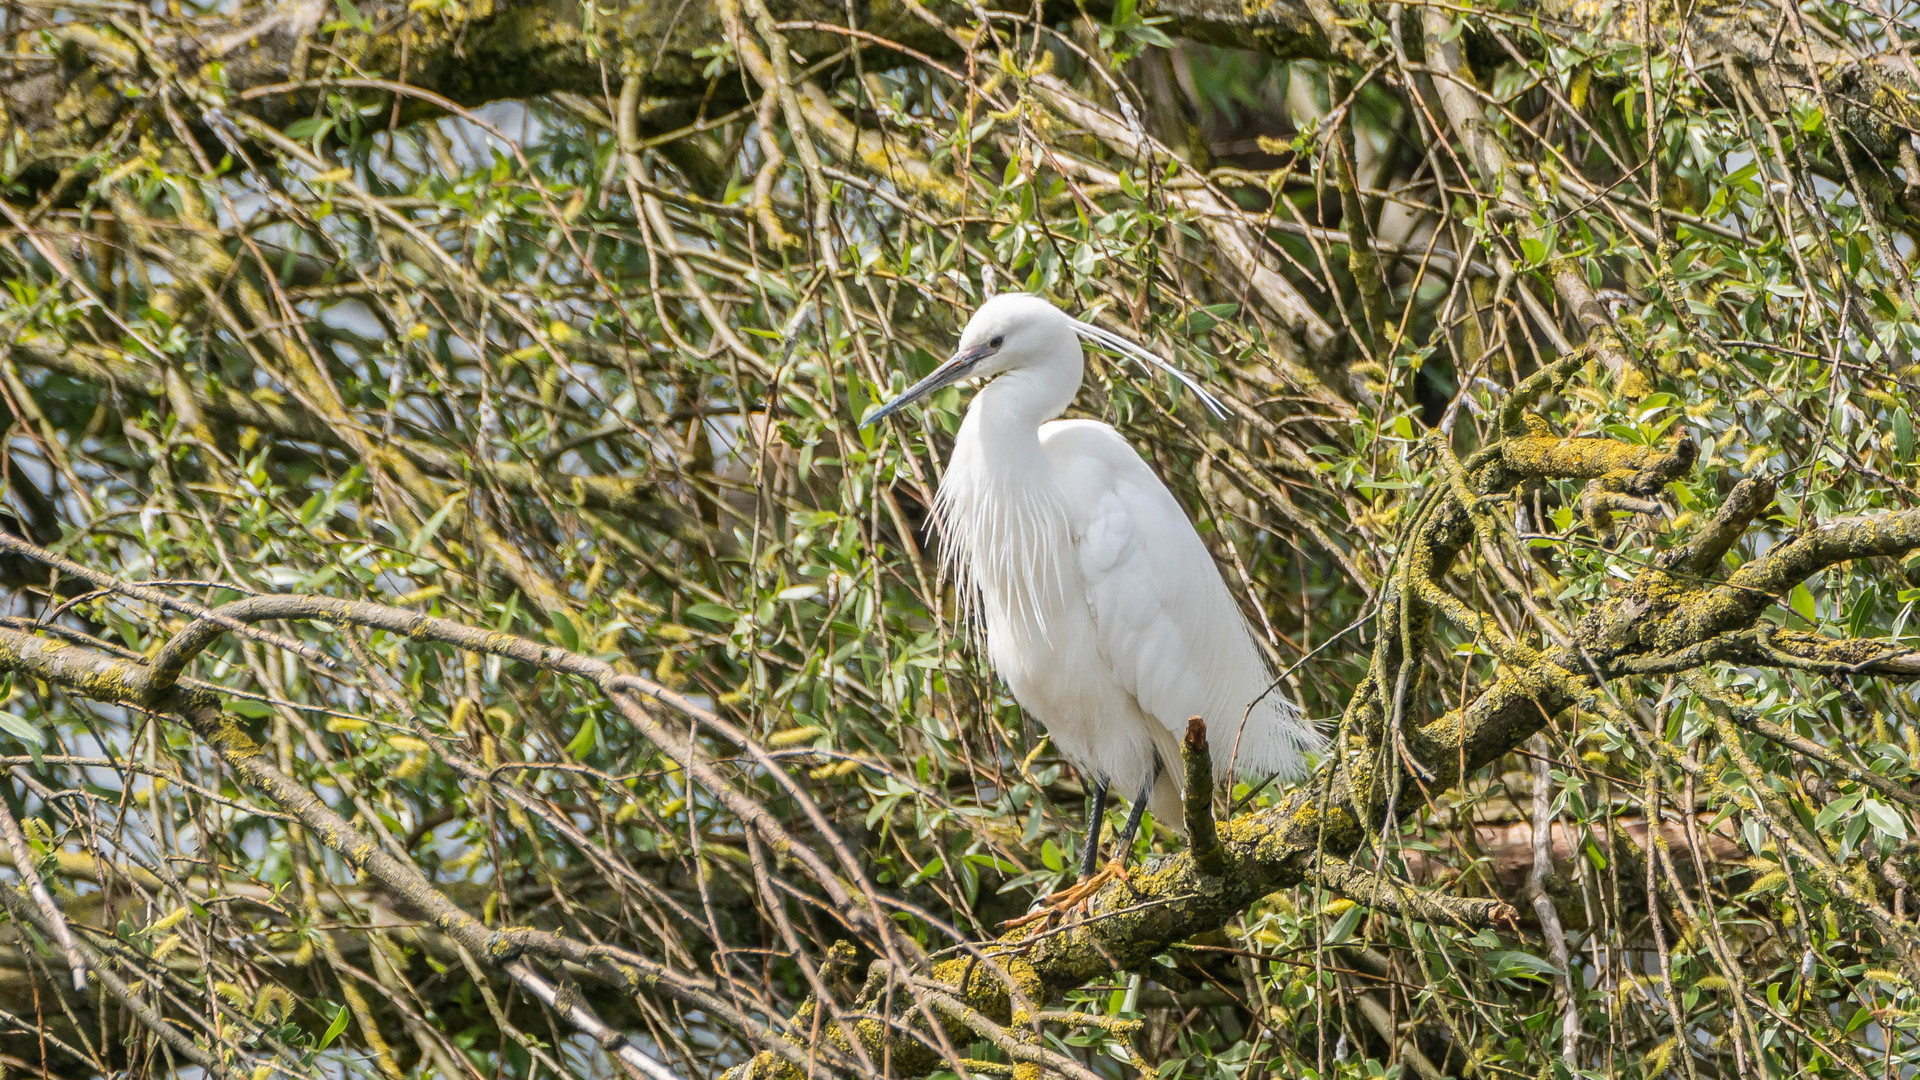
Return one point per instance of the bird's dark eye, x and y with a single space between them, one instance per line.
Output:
997 342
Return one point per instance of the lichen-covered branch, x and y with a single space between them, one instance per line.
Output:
114 681
472 54
1310 833
457 400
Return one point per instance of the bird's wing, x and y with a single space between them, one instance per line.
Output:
1164 619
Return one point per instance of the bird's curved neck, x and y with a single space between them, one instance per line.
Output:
1007 412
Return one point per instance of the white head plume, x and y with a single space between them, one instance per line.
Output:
1121 345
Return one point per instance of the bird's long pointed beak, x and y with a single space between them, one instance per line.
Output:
956 367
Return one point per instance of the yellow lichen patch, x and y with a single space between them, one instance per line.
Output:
1575 459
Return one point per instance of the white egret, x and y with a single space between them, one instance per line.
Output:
1103 610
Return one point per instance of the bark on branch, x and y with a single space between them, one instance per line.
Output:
274 61
1363 786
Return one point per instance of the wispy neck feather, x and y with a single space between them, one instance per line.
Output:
1003 525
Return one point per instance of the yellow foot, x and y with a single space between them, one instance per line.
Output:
1071 900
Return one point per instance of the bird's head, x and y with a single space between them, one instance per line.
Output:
1010 332
1023 332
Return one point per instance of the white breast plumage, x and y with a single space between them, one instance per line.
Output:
1004 542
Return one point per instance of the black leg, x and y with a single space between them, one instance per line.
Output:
1139 810
1090 853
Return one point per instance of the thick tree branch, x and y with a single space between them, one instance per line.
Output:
473 54
1312 831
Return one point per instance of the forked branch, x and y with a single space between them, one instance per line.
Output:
1359 791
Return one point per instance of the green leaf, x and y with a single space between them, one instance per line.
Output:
334 1029
1860 619
1885 820
309 127
249 708
1856 828
1836 810
1801 600
1903 435
439 518
19 727
311 509
1151 34
352 17
712 612
1789 507
584 740
1519 965
1344 927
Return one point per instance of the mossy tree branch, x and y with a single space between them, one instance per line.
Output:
1365 784
269 331
113 681
473 54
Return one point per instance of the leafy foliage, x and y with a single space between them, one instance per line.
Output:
586 370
